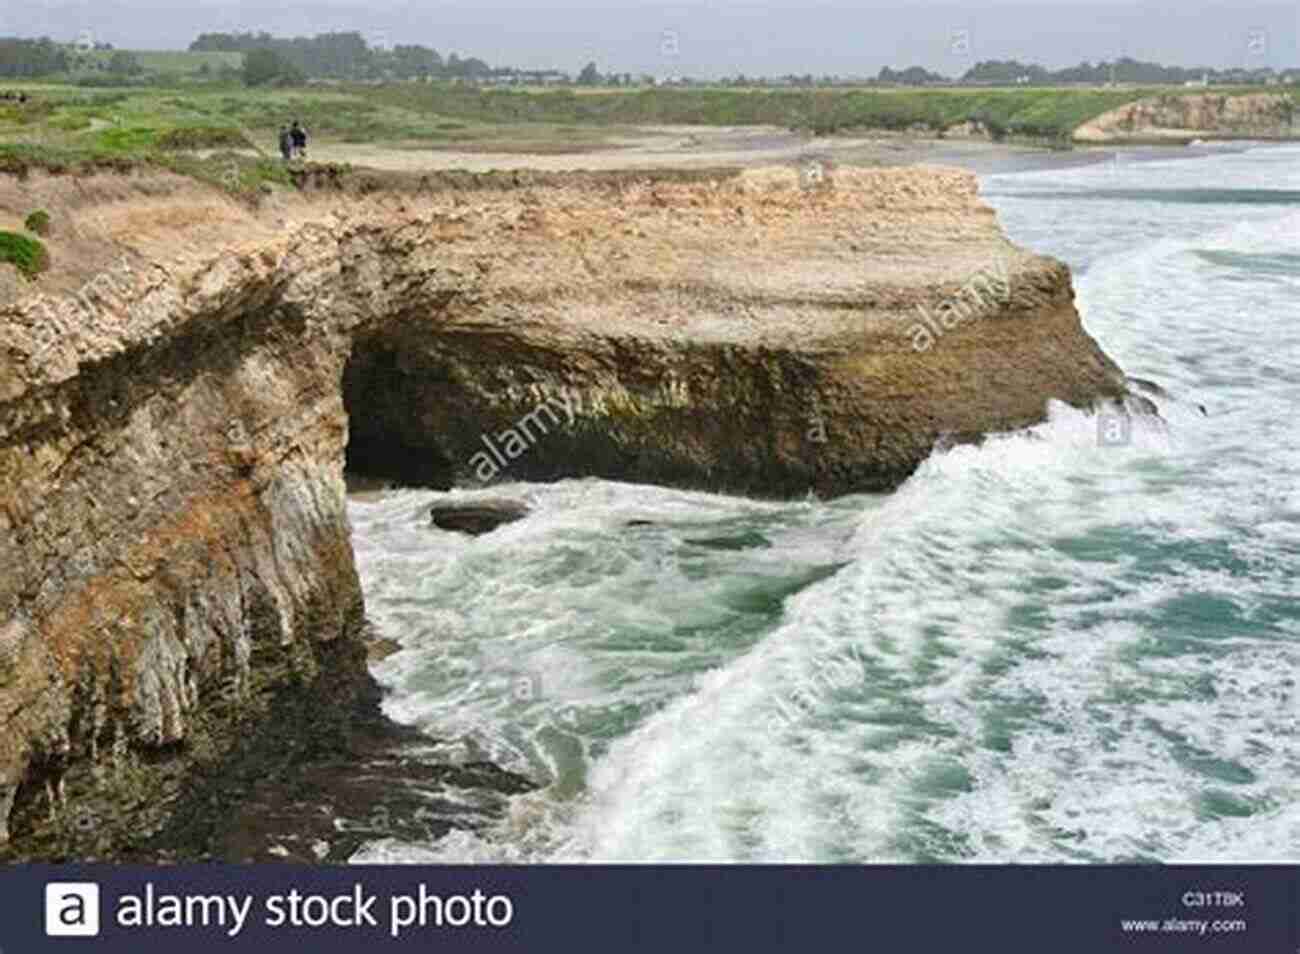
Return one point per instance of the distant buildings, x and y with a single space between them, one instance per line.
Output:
513 77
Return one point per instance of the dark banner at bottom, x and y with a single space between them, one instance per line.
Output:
652 908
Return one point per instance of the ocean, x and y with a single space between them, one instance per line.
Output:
1076 643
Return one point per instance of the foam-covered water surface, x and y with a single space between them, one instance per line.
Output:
1051 647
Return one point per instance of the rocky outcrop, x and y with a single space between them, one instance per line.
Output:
179 394
970 129
748 335
477 517
1183 118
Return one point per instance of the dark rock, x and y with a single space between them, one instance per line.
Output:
743 541
477 517
1142 384
1136 404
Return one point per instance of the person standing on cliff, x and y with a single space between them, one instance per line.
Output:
286 143
299 136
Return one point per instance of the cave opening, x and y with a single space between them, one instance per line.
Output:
386 442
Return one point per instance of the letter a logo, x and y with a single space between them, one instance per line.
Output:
71 909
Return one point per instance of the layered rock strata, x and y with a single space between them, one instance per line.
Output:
1186 117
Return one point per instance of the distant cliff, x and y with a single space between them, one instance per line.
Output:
1185 117
178 396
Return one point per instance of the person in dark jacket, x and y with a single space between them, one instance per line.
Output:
299 136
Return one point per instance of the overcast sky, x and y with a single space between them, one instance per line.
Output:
716 37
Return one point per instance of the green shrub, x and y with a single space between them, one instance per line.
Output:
106 81
240 175
125 139
70 122
203 137
38 222
28 254
266 66
19 159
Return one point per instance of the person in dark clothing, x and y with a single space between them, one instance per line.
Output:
299 136
286 143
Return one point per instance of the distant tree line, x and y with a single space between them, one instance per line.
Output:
1013 72
44 57
336 56
912 76
32 57
347 56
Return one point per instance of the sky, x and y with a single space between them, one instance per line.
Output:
710 38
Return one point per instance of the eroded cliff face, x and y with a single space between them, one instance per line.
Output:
1182 118
178 396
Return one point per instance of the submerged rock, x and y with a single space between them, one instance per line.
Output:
477 517
751 540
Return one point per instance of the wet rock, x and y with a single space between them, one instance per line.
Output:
380 649
742 541
1138 405
477 517
1150 387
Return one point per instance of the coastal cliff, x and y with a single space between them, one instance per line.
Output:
180 392
1183 118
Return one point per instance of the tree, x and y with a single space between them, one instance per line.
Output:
123 63
31 57
415 61
589 76
265 66
475 68
912 76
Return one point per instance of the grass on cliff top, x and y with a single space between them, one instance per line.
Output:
1044 113
189 115
1037 113
28 254
239 174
